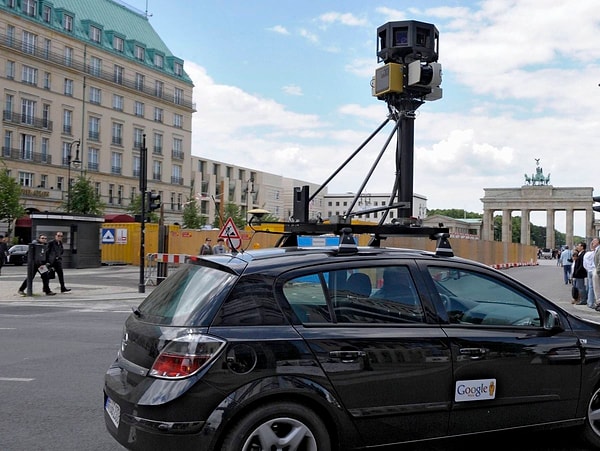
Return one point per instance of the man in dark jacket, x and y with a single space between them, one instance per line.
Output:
579 275
3 251
40 267
55 255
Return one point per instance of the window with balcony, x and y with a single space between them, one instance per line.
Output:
68 54
157 170
27 111
116 163
29 42
95 66
27 146
158 144
178 96
94 128
118 74
159 87
158 114
67 122
138 137
47 80
117 134
139 82
93 159
177 149
136 165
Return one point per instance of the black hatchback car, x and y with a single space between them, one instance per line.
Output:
344 349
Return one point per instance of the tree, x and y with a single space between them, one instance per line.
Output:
10 194
83 198
135 208
192 219
455 213
234 212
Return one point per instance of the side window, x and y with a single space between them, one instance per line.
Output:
362 296
473 298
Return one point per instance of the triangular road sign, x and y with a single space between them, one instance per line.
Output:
230 234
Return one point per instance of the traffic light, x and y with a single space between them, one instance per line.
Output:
152 201
596 199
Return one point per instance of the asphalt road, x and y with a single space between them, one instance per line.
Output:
55 351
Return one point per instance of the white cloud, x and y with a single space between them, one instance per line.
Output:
279 29
293 90
342 18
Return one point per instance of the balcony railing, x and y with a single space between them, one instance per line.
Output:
26 119
93 136
115 170
157 150
117 141
92 166
156 176
176 180
177 154
77 64
18 154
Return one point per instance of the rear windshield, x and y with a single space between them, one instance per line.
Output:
188 297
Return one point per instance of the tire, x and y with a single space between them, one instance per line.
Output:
280 426
591 429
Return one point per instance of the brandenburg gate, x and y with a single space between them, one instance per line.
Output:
537 195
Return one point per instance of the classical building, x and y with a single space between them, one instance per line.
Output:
84 85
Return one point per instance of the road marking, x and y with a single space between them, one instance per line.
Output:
8 328
16 379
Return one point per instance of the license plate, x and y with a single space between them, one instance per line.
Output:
113 410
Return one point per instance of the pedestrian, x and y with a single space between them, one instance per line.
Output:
206 248
588 264
220 248
55 256
566 261
3 251
596 277
41 266
579 275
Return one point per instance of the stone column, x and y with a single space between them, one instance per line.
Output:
589 225
487 231
550 239
569 230
506 226
525 227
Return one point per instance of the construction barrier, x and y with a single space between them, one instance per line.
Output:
152 268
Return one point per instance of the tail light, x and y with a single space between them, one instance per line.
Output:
186 356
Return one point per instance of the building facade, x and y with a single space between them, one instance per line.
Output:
85 84
338 204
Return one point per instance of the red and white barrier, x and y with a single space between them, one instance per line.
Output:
168 258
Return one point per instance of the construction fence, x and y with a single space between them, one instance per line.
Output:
121 245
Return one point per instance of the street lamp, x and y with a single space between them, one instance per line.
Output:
76 162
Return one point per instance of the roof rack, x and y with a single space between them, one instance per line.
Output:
292 230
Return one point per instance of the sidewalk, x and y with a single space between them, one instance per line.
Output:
102 283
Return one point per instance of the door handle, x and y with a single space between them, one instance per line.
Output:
347 356
473 353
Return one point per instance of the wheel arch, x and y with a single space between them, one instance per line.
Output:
290 389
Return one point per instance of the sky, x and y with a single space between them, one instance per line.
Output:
284 87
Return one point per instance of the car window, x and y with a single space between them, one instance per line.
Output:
470 297
363 295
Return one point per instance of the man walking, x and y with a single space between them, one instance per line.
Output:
566 261
590 267
3 251
55 254
40 267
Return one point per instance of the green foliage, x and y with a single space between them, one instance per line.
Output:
455 213
83 198
10 194
135 208
234 212
192 219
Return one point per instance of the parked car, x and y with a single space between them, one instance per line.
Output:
346 348
546 253
17 254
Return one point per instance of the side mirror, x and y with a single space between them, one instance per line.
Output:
552 321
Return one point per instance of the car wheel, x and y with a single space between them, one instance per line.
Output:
592 422
281 426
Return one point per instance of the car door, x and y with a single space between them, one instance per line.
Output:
508 370
390 368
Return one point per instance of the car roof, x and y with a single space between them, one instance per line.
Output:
285 258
